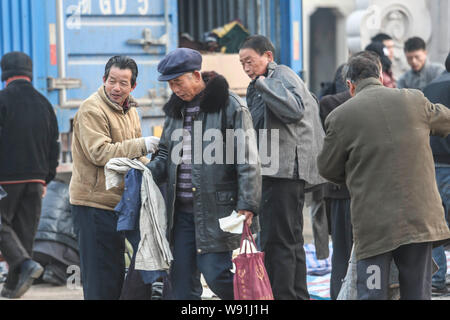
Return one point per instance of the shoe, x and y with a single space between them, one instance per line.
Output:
6 292
29 271
51 277
157 291
438 291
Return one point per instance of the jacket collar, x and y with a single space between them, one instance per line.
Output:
271 68
19 82
363 84
131 101
213 98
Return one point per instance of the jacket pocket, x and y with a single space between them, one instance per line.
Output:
226 200
226 197
94 186
226 193
100 181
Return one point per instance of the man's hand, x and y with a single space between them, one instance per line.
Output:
248 216
151 144
44 191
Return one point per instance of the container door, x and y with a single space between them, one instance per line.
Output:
22 28
92 31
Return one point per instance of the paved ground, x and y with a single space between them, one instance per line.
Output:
49 292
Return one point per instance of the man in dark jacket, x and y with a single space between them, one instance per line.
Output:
281 105
202 187
377 143
337 200
28 159
439 92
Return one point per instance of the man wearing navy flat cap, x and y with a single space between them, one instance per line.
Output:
178 63
200 192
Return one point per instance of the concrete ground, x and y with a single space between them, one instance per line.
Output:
49 292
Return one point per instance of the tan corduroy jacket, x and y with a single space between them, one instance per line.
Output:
102 131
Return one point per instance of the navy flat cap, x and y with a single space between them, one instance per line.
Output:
179 62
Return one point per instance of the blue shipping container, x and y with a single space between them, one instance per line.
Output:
70 42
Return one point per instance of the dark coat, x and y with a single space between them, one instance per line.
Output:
29 148
439 92
328 104
378 143
218 188
56 222
129 206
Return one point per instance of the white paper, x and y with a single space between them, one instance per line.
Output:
234 223
248 247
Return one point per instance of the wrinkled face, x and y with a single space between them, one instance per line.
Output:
254 64
416 59
187 86
389 44
118 85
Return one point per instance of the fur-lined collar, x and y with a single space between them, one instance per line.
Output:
214 98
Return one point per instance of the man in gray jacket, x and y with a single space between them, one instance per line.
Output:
281 104
422 71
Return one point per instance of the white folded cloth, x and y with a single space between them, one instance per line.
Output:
154 250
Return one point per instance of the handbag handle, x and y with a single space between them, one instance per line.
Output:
247 235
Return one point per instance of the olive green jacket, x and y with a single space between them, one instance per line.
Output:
378 143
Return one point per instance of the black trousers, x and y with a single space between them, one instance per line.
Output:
102 250
134 287
414 264
20 212
342 239
281 219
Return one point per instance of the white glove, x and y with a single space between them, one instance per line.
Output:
151 143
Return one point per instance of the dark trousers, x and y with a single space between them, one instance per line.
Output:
414 264
188 264
342 239
281 219
20 212
102 251
134 287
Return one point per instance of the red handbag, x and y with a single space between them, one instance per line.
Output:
251 281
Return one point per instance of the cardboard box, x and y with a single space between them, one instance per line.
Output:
229 66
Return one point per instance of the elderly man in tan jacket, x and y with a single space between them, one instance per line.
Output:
106 126
378 144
